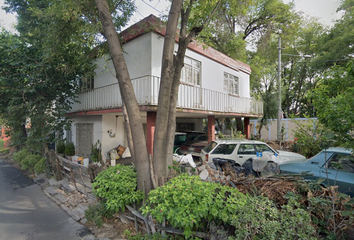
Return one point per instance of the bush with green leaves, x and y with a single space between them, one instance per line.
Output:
40 166
30 162
61 147
117 187
155 236
21 155
190 204
95 213
311 137
260 219
186 202
2 143
70 149
4 150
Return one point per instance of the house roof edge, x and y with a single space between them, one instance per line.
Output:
154 24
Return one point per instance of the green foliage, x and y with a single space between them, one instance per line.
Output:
40 166
186 202
155 236
190 204
260 219
116 186
69 149
95 213
96 152
310 136
21 155
61 147
334 102
30 161
2 142
4 151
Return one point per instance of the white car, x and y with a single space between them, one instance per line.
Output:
241 150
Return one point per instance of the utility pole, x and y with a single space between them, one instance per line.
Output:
279 89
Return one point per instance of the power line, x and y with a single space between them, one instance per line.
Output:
152 7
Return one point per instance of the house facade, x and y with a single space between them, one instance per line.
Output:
212 86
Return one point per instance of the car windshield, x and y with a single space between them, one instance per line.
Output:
263 148
201 138
226 149
209 147
179 139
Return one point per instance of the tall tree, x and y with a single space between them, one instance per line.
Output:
33 88
334 102
337 44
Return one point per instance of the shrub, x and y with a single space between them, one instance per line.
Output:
310 137
2 143
190 204
30 162
96 152
21 155
95 213
4 151
61 147
116 186
40 166
186 202
155 236
70 149
260 219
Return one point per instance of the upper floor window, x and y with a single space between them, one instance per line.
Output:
191 71
86 82
231 84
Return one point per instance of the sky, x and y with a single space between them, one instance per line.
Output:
324 10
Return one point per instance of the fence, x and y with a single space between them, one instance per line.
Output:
269 132
77 174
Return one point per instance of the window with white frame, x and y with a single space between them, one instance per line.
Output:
191 71
86 82
231 84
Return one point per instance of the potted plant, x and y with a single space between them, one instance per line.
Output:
96 152
70 150
61 148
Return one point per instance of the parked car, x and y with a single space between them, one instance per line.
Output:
334 165
194 146
241 150
180 138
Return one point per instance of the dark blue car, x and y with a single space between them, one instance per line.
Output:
335 165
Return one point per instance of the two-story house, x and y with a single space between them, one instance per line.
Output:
212 86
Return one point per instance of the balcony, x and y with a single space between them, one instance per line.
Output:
189 97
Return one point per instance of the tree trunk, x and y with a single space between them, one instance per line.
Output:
126 88
128 131
162 117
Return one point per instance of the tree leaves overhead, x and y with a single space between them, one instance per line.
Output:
334 102
40 67
337 45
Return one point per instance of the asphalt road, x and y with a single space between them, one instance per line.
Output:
26 213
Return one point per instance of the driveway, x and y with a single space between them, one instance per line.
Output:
26 213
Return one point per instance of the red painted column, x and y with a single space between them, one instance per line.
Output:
246 123
211 128
150 131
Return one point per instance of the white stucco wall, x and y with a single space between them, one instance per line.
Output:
143 56
137 56
212 72
112 122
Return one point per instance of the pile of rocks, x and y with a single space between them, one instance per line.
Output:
66 196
